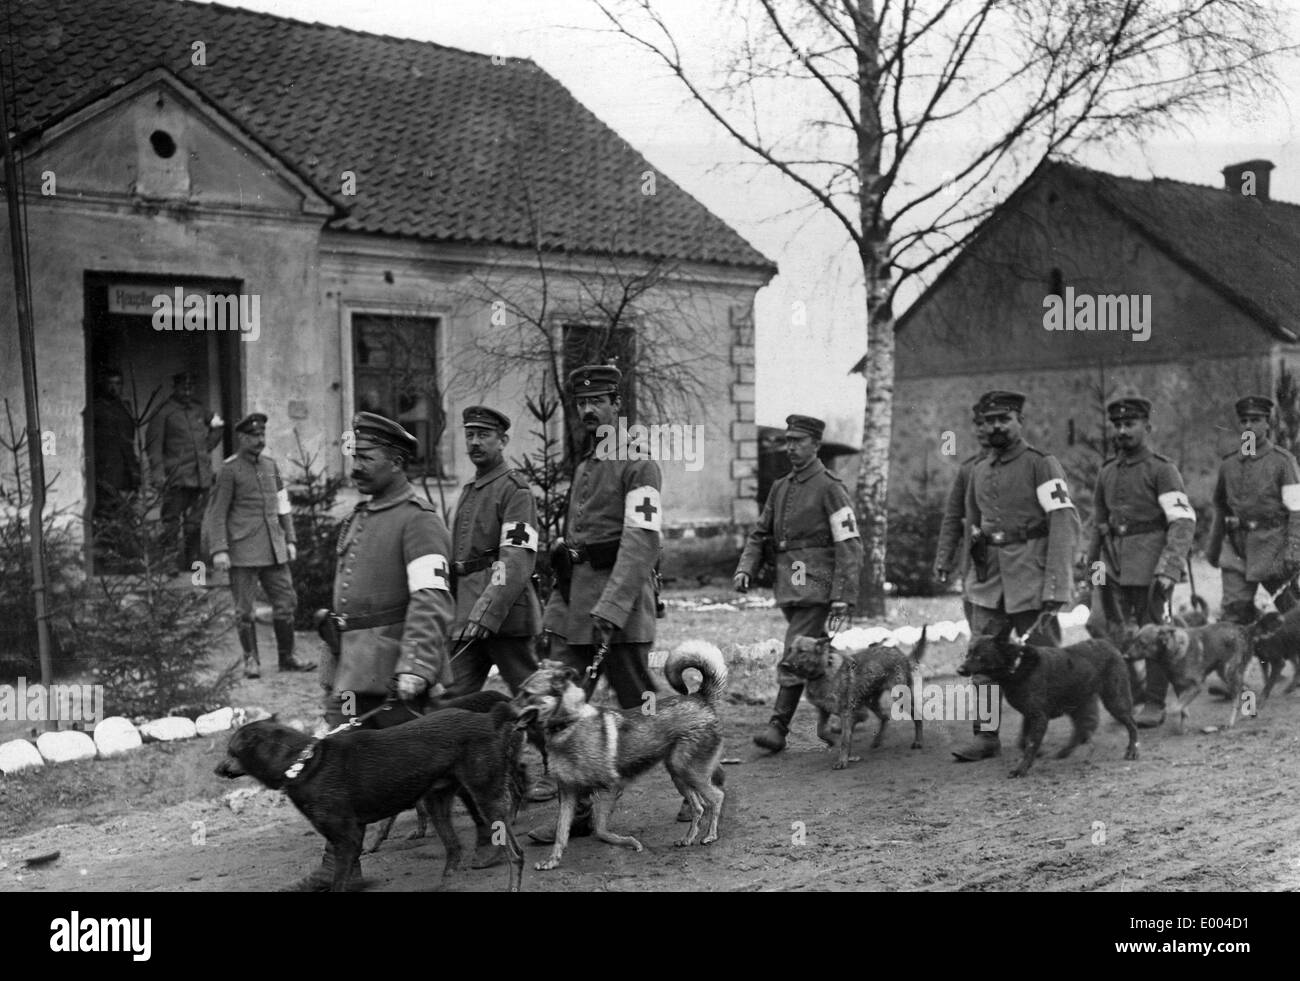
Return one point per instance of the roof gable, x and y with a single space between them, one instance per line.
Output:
434 136
1241 246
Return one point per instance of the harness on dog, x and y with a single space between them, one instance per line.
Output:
296 767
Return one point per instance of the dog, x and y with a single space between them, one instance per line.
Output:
1044 683
599 751
343 782
852 685
1188 655
1276 638
478 701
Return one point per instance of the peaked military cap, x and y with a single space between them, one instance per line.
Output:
254 420
1255 405
997 402
481 415
805 424
595 379
370 427
1128 407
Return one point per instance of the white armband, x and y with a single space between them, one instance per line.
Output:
843 525
1054 495
520 534
641 509
1176 506
282 505
427 572
1291 496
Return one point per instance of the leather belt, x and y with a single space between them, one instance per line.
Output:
380 618
1256 524
476 564
601 555
1000 538
790 544
1121 528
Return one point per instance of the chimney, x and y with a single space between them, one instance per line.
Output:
1249 178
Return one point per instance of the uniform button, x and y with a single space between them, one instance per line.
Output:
343 602
345 585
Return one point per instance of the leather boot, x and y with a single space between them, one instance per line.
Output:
284 647
772 738
248 641
322 877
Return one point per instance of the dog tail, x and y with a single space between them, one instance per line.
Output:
918 652
706 659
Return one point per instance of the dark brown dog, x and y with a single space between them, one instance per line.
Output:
1277 640
486 854
853 685
1044 683
1188 655
343 782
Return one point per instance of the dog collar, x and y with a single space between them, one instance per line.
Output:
295 768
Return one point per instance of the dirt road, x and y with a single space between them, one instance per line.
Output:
1201 811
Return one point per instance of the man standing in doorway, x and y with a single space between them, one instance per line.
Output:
181 437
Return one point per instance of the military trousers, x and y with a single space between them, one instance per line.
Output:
1238 589
987 621
513 657
1118 604
276 580
182 511
627 666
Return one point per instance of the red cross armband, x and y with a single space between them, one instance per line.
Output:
844 525
641 509
520 534
1054 495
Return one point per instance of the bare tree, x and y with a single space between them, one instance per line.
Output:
555 302
996 86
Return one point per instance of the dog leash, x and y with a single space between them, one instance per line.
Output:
309 750
593 670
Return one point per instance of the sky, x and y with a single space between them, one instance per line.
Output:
800 368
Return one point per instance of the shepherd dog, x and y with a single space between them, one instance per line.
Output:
598 751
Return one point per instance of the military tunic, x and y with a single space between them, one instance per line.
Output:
953 553
1019 502
611 500
392 563
249 515
496 512
179 443
1142 523
809 519
1262 492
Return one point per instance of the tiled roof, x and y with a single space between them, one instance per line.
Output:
446 145
1244 247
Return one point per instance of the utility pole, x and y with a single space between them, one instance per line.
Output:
27 354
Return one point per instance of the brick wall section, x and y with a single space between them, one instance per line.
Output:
744 433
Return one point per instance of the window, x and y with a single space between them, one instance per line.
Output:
395 374
589 344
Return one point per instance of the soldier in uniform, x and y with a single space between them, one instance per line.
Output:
250 528
494 537
1023 537
180 437
1142 530
393 605
1257 512
808 517
954 543
611 540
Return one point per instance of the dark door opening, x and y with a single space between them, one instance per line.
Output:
123 343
